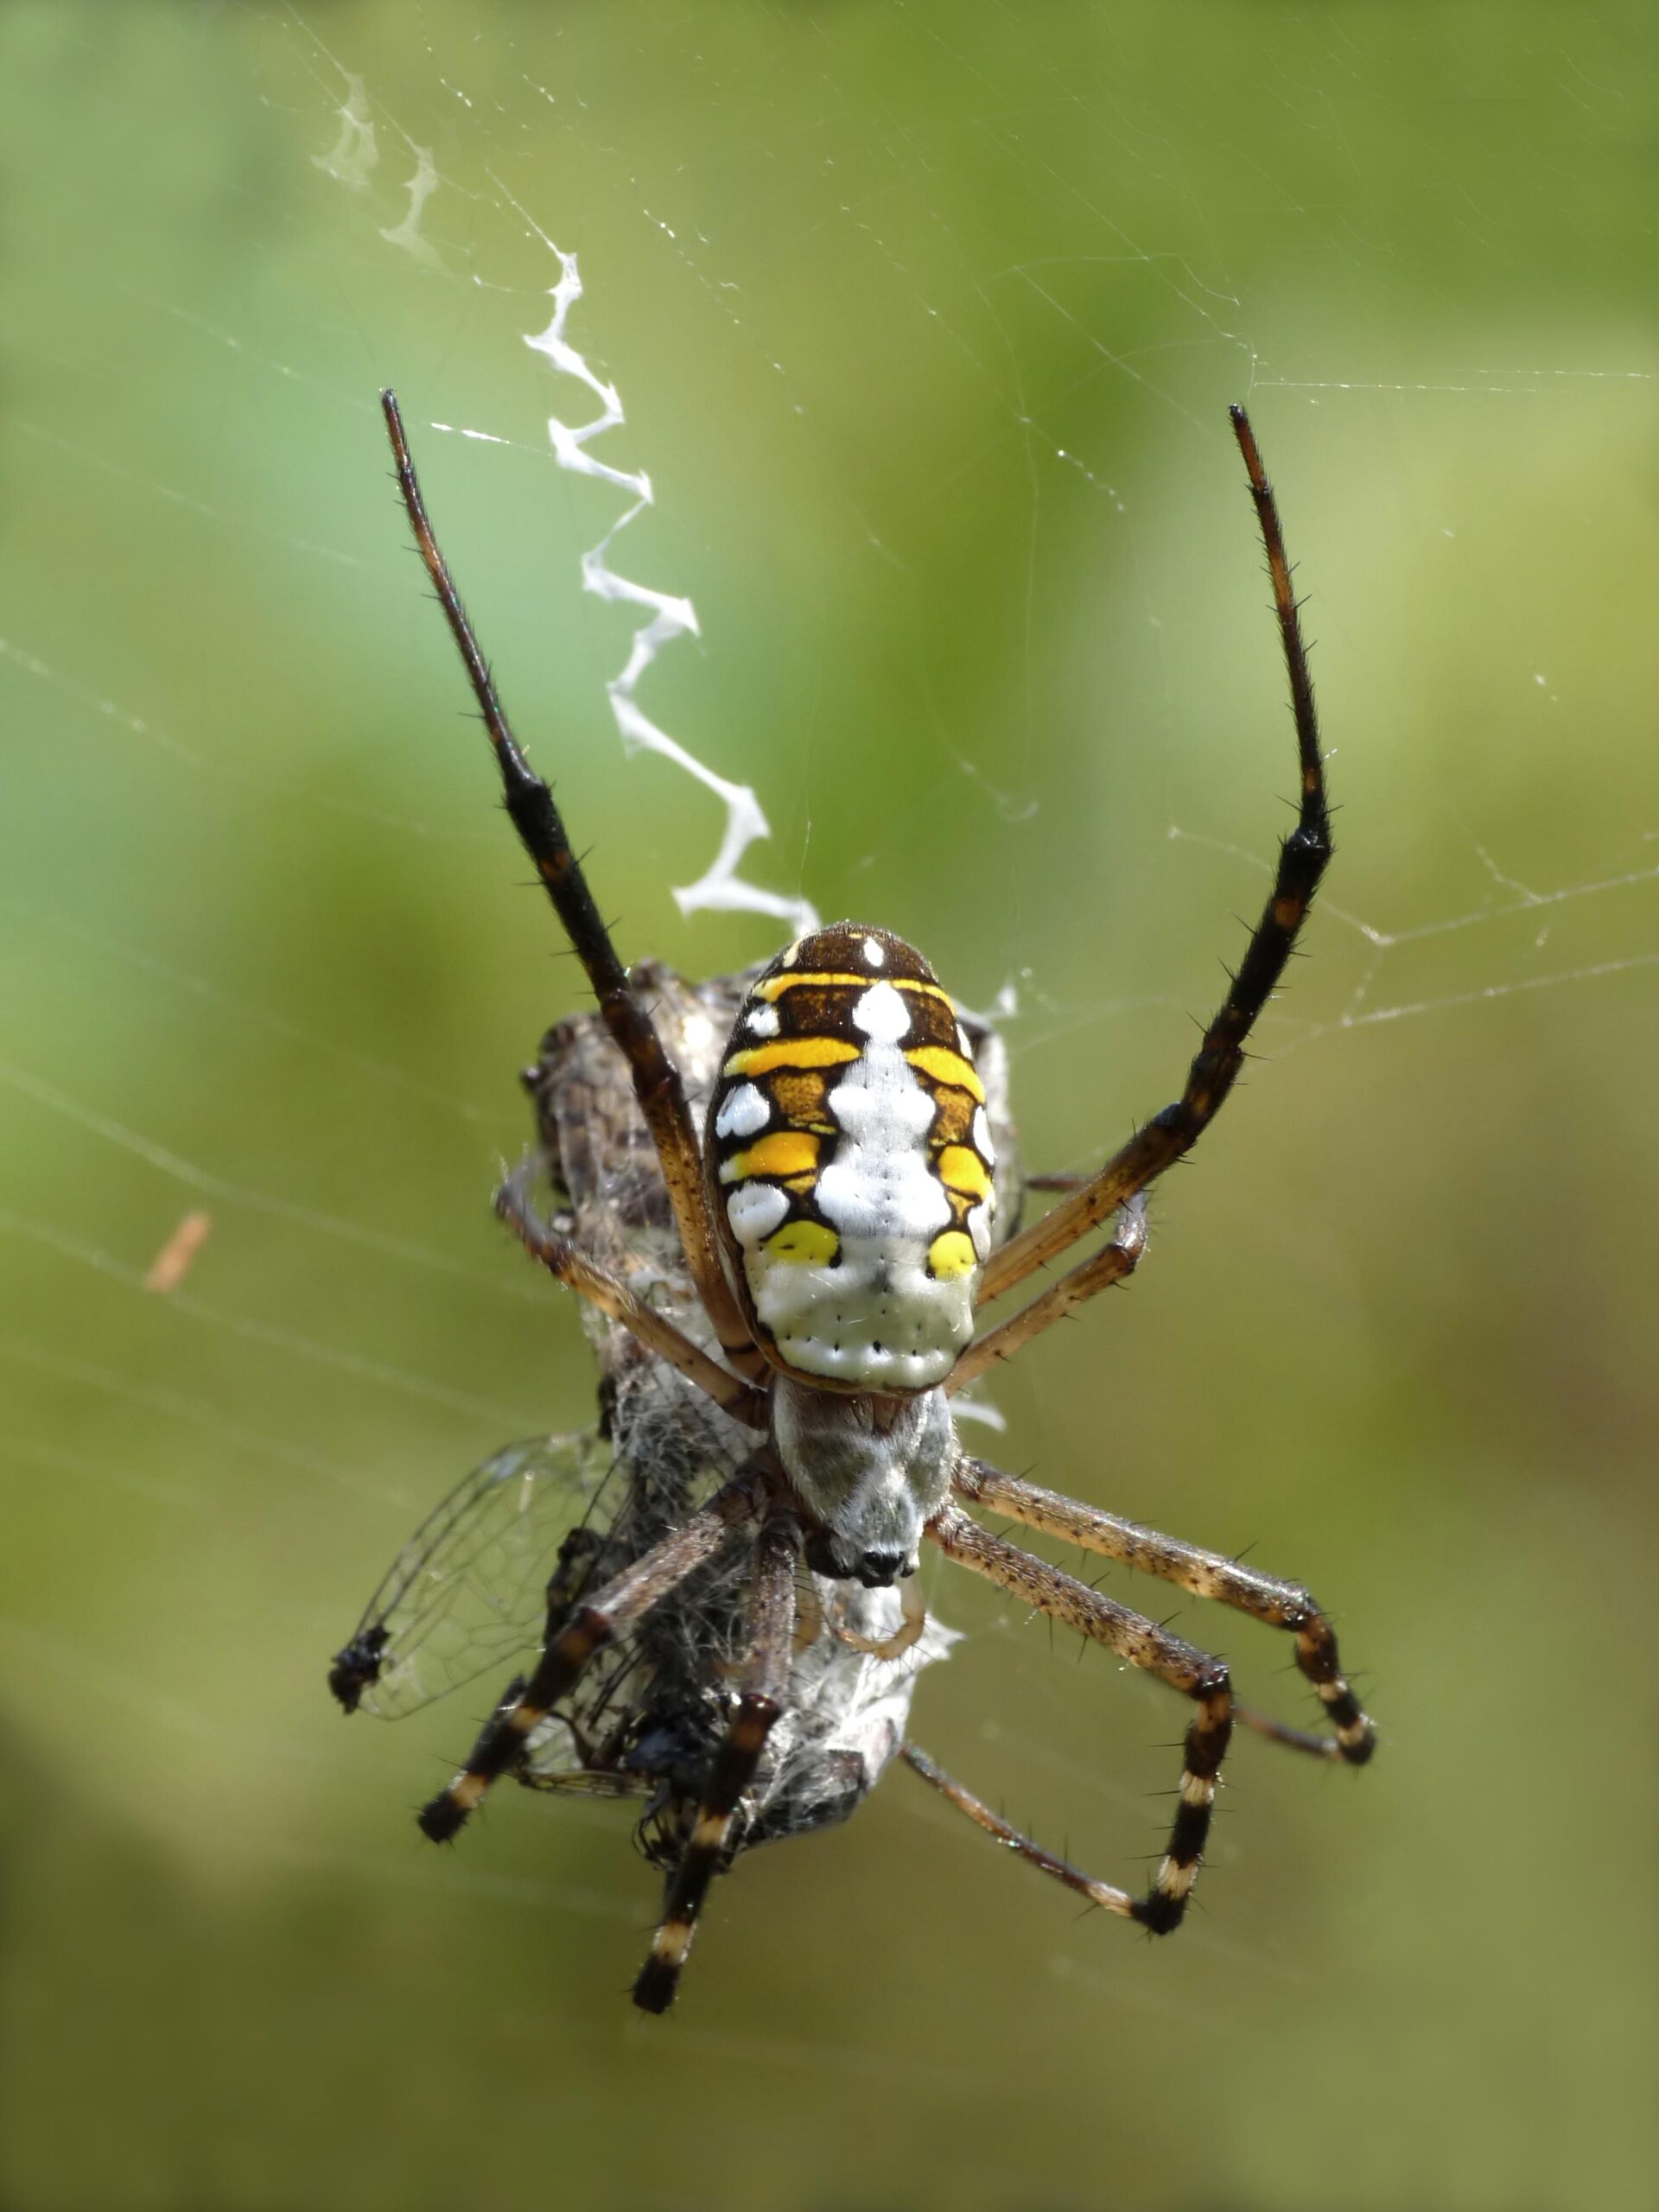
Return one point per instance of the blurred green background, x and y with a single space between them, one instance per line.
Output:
925 317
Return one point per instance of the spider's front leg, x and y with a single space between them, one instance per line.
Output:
571 1642
1143 1644
1206 1575
1302 860
657 1084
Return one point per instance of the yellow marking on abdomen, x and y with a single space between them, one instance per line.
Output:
800 1099
774 986
946 1066
961 1169
804 1244
787 1152
792 1052
951 1255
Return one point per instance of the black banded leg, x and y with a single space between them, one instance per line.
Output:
1302 859
569 1648
1143 1644
572 1267
1105 1894
1206 1575
656 1083
766 1678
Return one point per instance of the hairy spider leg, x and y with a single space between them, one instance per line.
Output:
1302 859
1206 1575
1115 1262
1103 1894
600 1288
570 1644
766 1681
1143 1644
657 1084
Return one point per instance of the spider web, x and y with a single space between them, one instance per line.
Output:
830 443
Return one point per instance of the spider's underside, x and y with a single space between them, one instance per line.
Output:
819 1258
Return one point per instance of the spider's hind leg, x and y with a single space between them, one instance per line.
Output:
1195 1674
1205 1574
1103 1894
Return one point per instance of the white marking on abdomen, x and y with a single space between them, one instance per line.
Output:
745 1111
881 1014
877 1317
754 1210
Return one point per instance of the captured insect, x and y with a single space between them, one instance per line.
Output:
714 1591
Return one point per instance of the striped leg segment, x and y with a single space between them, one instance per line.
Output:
1206 1574
572 1642
1113 1263
1198 1676
1100 1893
656 1083
1302 859
578 1272
759 1701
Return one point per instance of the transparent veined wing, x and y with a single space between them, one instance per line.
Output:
468 1591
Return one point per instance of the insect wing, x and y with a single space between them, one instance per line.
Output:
468 1591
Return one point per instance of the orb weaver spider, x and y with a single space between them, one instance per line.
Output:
834 1226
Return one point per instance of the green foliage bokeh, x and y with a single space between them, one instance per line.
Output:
925 317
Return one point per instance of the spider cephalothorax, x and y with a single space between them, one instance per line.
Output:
835 1237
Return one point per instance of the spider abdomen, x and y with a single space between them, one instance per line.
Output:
849 1162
